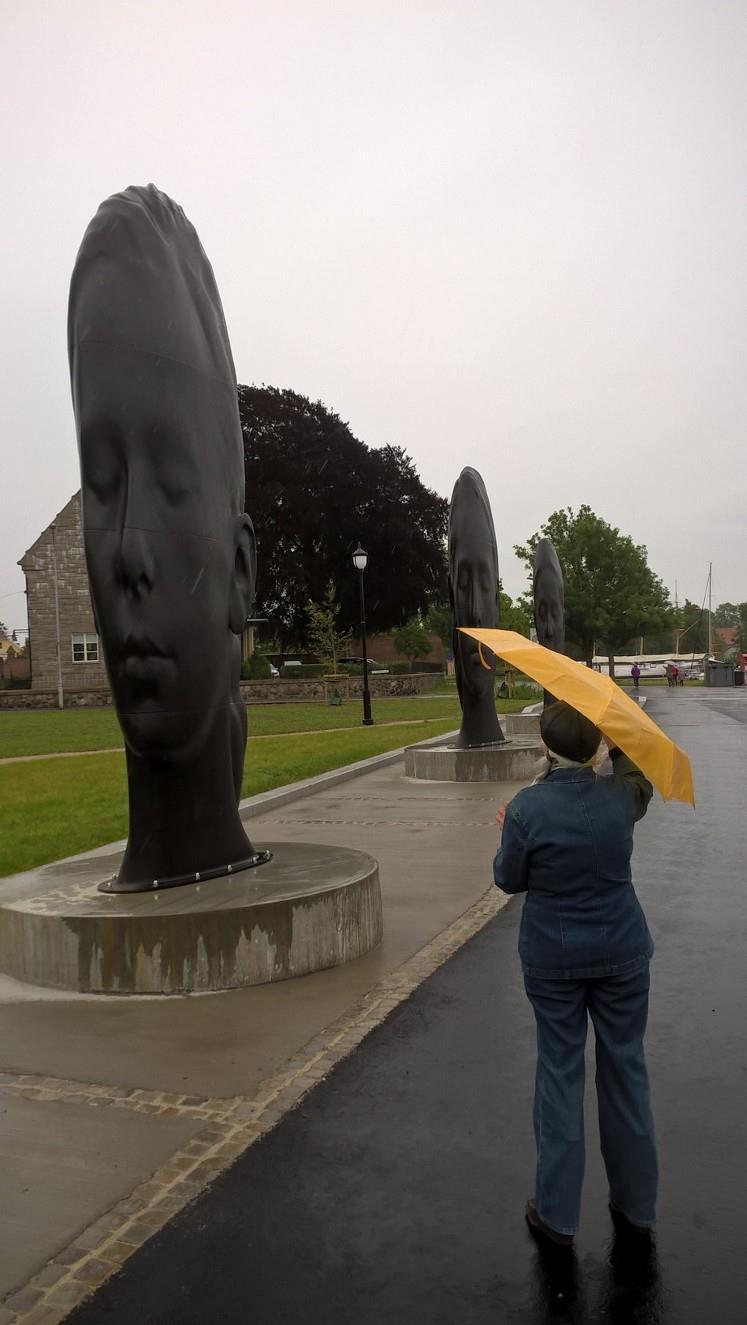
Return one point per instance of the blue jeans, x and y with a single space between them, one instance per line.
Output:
618 1007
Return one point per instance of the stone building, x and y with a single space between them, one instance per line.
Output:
59 608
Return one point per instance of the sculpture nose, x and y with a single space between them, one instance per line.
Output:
135 562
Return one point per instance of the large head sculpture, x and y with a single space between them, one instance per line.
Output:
549 610
473 595
170 552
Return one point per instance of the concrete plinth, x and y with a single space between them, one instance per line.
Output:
520 724
513 761
309 908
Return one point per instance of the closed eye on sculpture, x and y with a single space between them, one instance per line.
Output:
172 467
101 465
104 487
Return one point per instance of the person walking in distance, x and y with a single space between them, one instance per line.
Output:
635 672
585 948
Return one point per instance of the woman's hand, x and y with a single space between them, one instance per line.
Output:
500 817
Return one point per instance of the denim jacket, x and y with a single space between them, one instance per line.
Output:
567 843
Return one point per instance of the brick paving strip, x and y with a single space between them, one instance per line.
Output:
231 1126
264 736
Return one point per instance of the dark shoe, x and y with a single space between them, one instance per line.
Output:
620 1218
538 1225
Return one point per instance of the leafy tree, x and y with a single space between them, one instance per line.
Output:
515 615
256 668
611 594
735 615
412 641
326 640
438 621
741 640
727 614
739 625
691 629
3 628
314 492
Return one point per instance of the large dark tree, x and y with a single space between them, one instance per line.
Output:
314 491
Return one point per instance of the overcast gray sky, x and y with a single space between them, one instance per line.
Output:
503 234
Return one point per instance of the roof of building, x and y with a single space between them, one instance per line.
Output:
69 514
9 648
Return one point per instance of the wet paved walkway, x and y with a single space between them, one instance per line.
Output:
394 1192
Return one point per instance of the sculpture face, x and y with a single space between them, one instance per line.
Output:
549 610
473 594
170 552
171 565
474 578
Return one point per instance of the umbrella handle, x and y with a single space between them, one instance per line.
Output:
486 665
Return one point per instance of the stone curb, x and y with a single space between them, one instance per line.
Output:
231 1126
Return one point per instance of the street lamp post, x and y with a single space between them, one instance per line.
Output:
360 561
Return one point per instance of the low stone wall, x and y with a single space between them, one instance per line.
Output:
254 692
351 687
47 699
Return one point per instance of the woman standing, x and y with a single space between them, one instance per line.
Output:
585 948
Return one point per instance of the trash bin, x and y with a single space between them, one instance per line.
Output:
719 673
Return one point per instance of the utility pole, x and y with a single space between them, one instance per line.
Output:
710 634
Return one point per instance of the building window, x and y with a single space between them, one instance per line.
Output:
85 648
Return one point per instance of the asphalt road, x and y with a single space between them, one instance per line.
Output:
395 1192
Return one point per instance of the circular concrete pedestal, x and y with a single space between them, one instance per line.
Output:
308 908
512 761
520 724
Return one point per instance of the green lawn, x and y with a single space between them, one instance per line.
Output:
57 807
54 732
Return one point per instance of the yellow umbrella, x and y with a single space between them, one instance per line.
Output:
604 703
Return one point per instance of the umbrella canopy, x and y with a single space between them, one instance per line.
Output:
603 703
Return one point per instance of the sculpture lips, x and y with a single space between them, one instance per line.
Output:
141 663
142 646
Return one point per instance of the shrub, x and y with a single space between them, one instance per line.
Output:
256 668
